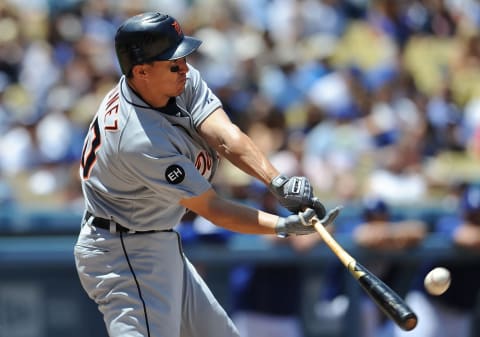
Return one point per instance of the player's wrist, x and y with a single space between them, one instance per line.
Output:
281 228
295 224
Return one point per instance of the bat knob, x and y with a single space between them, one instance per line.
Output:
410 322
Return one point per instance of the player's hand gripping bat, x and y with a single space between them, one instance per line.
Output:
386 299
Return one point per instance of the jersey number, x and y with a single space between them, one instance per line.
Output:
92 144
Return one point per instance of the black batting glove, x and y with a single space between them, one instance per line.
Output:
320 210
293 193
297 224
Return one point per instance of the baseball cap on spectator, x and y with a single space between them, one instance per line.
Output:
374 207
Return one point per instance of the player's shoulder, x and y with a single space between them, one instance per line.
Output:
196 87
194 77
144 130
144 141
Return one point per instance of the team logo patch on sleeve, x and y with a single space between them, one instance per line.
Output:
174 174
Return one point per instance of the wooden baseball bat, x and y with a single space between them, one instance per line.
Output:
386 298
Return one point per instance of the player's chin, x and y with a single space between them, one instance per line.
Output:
180 87
178 92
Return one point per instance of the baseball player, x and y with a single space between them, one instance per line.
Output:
150 153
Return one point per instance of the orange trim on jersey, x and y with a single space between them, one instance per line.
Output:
90 159
112 109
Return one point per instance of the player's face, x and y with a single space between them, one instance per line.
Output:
167 82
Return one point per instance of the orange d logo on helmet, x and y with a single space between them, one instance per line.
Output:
177 27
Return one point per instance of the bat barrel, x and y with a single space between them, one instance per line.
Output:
387 299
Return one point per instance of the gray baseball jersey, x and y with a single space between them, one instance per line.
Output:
137 163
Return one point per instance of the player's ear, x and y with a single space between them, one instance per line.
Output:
139 71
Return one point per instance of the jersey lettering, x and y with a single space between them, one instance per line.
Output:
111 120
93 141
92 144
204 164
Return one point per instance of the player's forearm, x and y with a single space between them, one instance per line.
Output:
231 215
242 152
234 145
238 218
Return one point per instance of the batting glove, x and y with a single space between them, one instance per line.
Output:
320 210
298 224
293 193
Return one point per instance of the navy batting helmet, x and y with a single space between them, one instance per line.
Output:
151 37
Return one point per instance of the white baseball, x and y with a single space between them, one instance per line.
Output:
437 281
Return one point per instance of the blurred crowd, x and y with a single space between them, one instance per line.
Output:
364 97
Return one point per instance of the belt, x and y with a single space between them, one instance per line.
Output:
105 224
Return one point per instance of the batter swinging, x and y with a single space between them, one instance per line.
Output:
151 150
